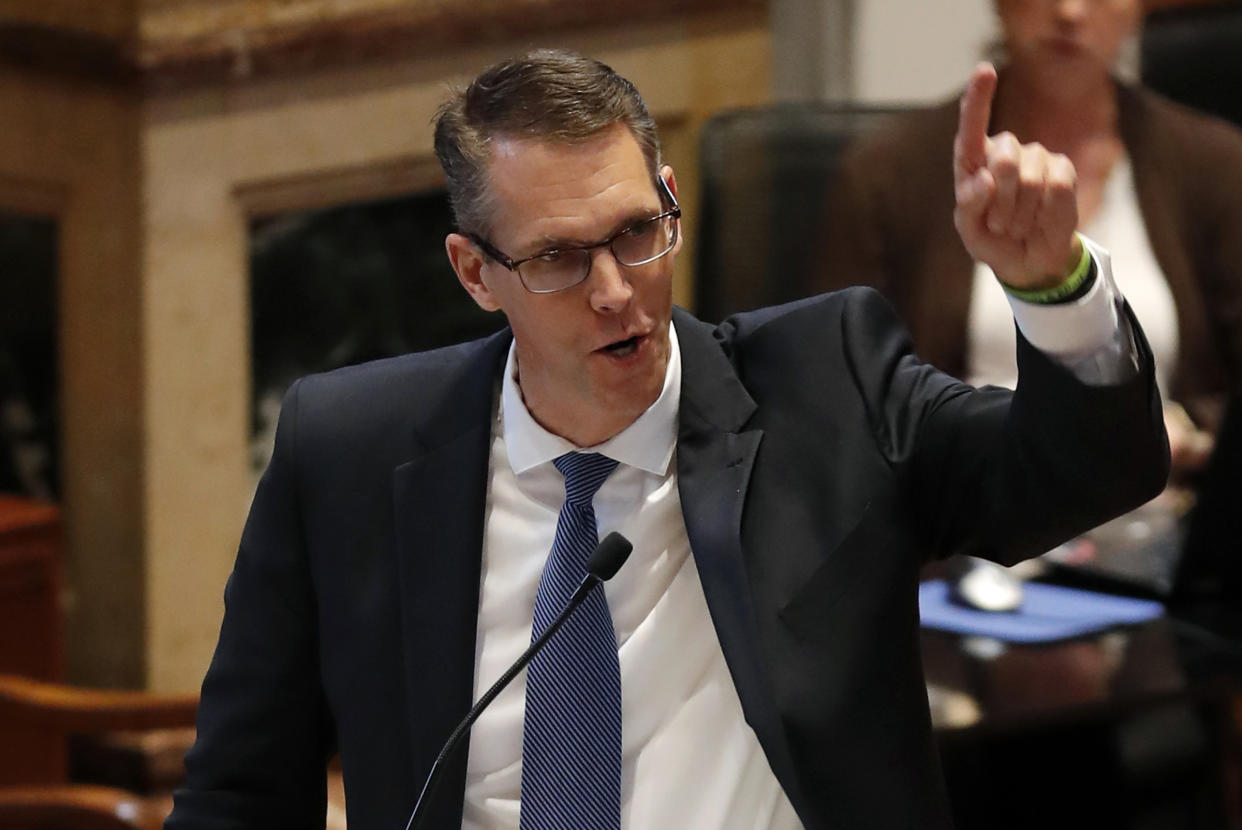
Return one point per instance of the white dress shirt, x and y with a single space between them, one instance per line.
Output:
689 760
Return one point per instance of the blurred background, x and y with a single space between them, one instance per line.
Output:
201 200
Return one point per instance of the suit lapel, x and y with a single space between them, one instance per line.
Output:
715 456
439 498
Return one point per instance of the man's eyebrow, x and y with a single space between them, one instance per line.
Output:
550 243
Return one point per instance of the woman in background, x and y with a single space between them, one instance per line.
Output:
1159 185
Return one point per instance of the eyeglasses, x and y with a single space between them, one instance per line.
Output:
555 270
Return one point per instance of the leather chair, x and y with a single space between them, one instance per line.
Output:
766 173
39 720
77 807
1192 53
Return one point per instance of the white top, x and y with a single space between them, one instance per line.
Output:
689 760
688 757
1118 226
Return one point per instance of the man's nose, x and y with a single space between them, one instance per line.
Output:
609 283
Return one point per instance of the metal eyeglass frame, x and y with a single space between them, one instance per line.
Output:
514 264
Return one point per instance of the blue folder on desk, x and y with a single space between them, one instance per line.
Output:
1048 613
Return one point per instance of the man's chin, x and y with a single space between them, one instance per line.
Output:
621 405
641 398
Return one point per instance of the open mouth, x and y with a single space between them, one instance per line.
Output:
622 348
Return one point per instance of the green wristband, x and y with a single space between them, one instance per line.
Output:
1068 287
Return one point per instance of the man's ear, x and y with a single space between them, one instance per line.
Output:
468 261
666 172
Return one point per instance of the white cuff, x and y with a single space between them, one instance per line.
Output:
1069 330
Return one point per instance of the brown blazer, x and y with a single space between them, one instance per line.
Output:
891 226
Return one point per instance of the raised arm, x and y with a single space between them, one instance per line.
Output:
1016 207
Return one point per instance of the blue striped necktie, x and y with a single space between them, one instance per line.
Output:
571 741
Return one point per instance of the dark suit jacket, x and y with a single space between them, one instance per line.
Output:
819 464
890 225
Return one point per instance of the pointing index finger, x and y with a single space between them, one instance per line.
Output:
970 145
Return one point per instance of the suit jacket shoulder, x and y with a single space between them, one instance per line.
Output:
836 384
422 395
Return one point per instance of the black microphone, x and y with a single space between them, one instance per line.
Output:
607 558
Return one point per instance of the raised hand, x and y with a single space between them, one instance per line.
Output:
1017 207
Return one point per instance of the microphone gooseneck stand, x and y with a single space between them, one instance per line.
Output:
607 558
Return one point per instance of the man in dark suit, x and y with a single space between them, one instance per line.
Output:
782 477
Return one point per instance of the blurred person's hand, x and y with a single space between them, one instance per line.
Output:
1016 203
1189 446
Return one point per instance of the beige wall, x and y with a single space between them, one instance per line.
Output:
912 52
876 51
73 152
154 196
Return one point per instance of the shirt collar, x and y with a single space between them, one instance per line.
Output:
646 444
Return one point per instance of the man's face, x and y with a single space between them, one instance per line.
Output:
591 358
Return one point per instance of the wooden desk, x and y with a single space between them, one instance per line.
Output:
1099 731
1014 688
31 627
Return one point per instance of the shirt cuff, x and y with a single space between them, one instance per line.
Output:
1089 336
